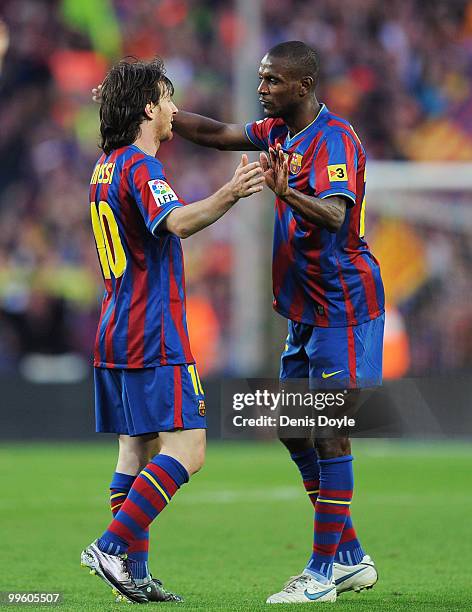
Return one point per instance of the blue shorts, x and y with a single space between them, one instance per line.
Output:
148 400
334 357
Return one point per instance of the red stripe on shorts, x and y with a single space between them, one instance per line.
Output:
178 423
351 351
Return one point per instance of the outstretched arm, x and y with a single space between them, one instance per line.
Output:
210 133
326 212
187 220
205 131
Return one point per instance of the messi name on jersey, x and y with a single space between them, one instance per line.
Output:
103 174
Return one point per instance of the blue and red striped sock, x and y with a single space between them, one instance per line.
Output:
349 551
150 493
138 552
307 463
331 510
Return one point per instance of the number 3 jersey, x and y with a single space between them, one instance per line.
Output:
142 321
321 278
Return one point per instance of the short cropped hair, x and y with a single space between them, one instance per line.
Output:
127 88
302 59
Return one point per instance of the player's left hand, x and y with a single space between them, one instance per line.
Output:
276 171
97 94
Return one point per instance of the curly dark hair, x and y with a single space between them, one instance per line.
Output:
127 88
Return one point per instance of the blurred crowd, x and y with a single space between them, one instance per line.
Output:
401 71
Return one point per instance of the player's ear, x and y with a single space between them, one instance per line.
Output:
306 85
149 110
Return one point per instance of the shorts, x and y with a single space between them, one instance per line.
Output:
148 400
334 357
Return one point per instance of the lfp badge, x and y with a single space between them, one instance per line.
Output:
162 192
295 163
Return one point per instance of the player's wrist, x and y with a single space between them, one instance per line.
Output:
232 192
285 193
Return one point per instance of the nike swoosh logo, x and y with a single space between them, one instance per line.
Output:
314 596
347 576
324 375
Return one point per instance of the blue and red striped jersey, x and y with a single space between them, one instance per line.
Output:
143 320
322 278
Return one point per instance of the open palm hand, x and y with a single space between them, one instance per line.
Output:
275 170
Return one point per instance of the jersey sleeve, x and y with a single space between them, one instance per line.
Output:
258 133
334 167
154 196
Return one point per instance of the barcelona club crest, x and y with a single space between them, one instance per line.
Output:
295 163
201 408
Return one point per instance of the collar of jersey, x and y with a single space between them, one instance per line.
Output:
140 150
289 142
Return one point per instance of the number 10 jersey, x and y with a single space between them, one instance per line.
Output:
143 320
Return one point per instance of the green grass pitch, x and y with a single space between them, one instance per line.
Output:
243 525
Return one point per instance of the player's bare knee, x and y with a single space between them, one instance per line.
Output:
296 445
196 457
187 447
192 462
330 448
197 462
134 453
192 459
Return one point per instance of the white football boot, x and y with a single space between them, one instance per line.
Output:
304 589
355 577
112 569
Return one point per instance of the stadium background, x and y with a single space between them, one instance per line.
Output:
400 71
